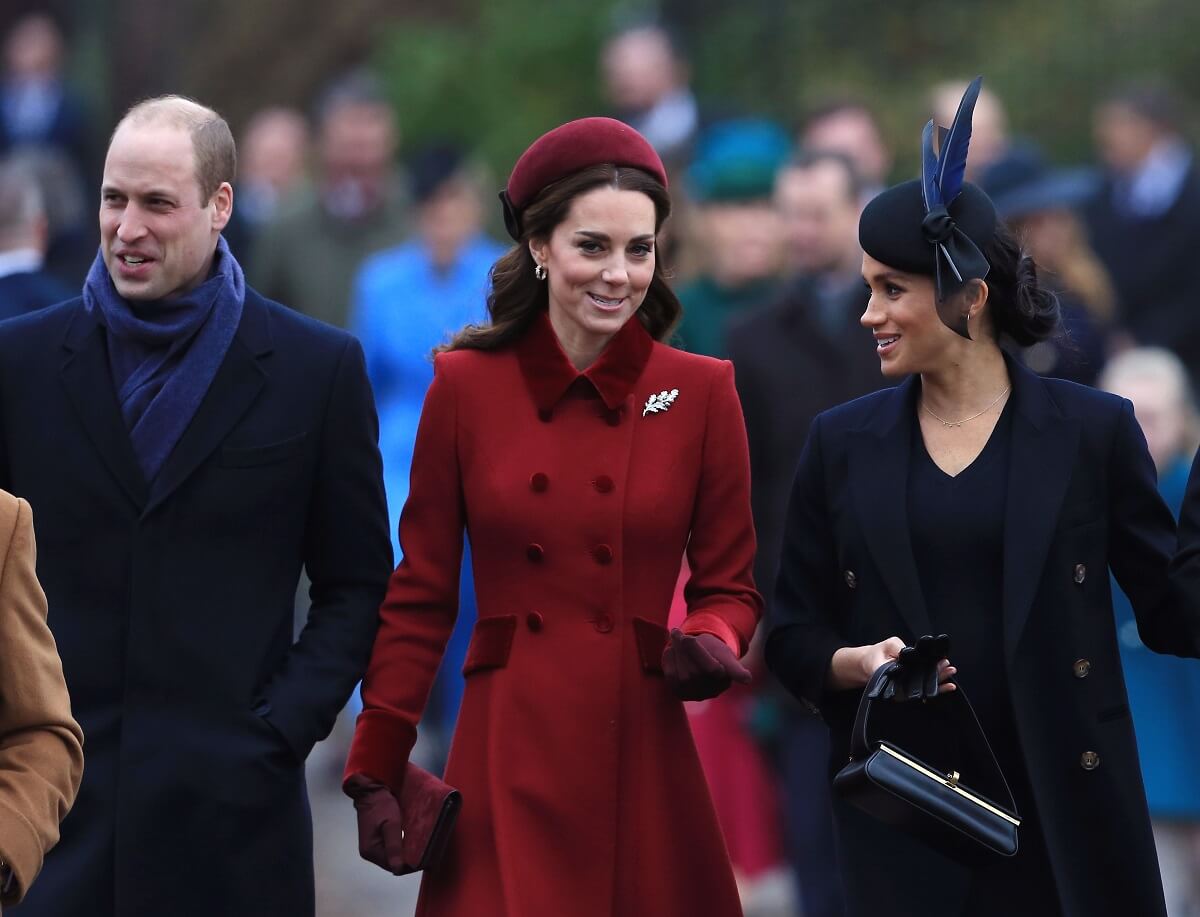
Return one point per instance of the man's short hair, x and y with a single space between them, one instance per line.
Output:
212 141
810 159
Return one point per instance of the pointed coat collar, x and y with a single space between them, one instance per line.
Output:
548 372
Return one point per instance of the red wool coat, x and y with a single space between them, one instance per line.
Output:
582 793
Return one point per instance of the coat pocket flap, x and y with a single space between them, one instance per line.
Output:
491 642
249 456
651 641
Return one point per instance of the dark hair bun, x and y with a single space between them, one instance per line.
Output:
1037 312
1021 307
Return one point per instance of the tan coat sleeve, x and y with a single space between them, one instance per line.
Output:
41 745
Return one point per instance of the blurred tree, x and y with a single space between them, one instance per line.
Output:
498 76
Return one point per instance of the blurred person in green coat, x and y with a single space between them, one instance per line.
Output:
736 232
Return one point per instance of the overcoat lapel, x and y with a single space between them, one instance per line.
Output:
238 381
879 460
1044 448
88 381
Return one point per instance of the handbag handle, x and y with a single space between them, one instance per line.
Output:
966 722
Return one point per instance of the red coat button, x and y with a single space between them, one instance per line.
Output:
535 553
603 554
538 483
613 418
534 622
604 484
545 414
604 624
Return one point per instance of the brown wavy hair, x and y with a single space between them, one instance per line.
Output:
515 296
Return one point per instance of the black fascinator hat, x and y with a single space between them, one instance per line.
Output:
938 225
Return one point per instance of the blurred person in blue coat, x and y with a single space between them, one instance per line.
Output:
1164 691
407 300
25 285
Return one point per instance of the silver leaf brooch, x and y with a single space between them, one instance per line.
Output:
656 404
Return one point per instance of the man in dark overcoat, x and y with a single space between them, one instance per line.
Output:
188 447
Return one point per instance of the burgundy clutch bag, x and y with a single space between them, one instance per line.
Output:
428 810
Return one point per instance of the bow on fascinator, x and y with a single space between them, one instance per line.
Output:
956 257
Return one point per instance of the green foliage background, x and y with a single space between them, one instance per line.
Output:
495 74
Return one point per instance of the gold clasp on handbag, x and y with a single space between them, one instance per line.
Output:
952 779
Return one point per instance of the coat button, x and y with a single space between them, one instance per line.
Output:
1081 668
538 483
603 554
1089 760
604 484
851 579
534 622
613 417
535 553
545 414
1080 574
604 624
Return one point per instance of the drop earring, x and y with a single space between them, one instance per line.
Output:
539 272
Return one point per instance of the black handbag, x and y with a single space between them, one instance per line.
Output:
894 785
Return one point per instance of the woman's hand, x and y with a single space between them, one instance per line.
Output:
853 666
701 666
380 830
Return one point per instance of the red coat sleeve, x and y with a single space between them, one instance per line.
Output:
418 611
720 594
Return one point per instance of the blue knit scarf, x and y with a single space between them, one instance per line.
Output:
164 354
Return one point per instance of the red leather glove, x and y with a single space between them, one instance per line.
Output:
701 666
380 832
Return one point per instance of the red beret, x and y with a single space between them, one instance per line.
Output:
574 146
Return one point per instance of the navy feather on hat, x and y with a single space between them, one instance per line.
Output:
937 225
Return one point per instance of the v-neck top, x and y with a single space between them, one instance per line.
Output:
957 530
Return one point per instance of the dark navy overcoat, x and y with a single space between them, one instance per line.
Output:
173 606
1081 499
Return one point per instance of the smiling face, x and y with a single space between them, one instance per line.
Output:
599 261
909 335
157 235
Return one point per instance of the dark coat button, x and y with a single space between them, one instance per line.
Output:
613 417
604 624
1081 668
535 553
545 415
1080 574
604 484
534 622
851 579
1089 760
538 483
603 554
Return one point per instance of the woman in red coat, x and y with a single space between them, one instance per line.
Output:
583 457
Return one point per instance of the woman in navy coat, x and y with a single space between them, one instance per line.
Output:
979 500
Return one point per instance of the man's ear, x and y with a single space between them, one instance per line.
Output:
222 201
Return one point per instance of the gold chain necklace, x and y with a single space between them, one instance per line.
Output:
959 423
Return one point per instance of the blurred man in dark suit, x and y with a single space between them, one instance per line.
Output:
24 284
794 358
1145 219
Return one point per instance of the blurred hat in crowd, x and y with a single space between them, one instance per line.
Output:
1021 182
430 167
737 160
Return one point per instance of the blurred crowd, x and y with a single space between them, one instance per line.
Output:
338 216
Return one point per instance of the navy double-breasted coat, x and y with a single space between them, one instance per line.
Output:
172 604
1081 499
